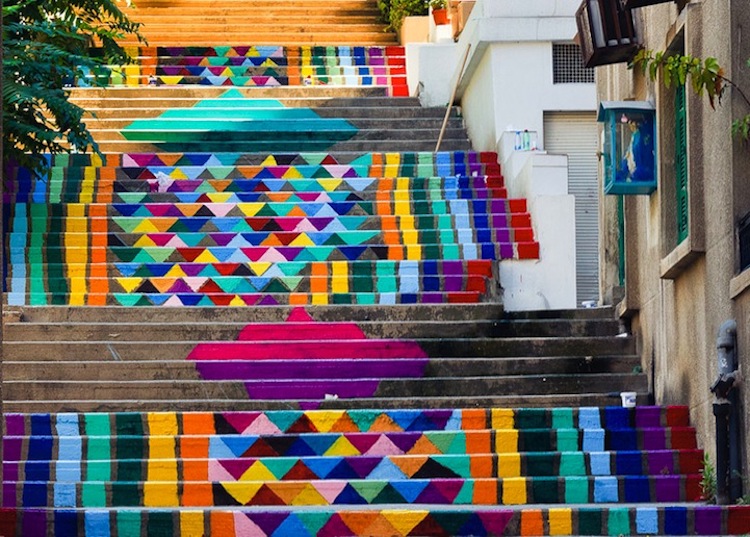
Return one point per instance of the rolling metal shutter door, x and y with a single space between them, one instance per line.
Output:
576 134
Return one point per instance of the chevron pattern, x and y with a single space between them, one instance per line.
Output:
237 229
153 462
261 66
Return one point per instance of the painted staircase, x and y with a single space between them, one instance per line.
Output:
380 390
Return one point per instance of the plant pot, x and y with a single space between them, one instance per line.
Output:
440 16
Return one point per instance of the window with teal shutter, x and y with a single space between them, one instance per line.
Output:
681 163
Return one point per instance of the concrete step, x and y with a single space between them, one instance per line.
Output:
458 521
229 330
106 369
200 316
447 348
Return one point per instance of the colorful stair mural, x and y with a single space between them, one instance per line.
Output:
242 229
257 66
95 474
285 174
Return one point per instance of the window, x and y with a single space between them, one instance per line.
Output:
744 240
567 67
681 164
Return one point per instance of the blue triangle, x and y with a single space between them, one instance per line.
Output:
189 299
292 525
127 269
349 496
410 489
225 224
322 466
229 447
320 443
158 269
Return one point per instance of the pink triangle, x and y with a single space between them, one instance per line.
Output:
448 488
330 490
240 421
244 527
289 223
365 442
299 315
383 447
161 239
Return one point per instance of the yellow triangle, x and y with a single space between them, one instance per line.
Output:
237 301
269 63
324 420
259 268
242 491
258 472
226 72
220 197
178 174
302 240
292 173
145 227
175 272
404 520
250 209
309 496
170 80
252 52
329 184
270 161
144 241
342 448
129 284
206 257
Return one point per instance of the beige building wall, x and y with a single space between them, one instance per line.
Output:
676 296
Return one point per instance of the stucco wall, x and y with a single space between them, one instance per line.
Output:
676 297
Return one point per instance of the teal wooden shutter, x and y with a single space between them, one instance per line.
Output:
681 164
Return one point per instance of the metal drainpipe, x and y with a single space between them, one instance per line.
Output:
726 411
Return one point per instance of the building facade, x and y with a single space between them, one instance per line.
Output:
676 262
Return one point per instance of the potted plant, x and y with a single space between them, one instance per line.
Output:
439 11
395 11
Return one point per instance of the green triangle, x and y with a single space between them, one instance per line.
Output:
244 286
159 254
305 185
313 521
242 225
219 172
126 254
364 418
364 160
388 495
222 51
335 240
460 464
228 284
204 187
292 282
369 490
279 466
205 301
283 419
322 173
306 255
142 256
359 237
127 224
320 253
314 158
132 197
291 268
217 61
210 271
125 299
268 210
275 286
445 440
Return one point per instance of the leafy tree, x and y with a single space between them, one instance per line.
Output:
705 76
47 45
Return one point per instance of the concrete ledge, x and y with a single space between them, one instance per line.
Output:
678 260
739 284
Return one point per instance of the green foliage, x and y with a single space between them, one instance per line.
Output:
708 480
439 4
706 76
47 44
394 11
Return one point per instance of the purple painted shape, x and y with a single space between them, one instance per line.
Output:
506 251
667 488
180 287
192 269
406 440
432 298
308 405
452 268
301 389
306 350
14 425
708 520
363 466
222 239
453 283
502 235
34 522
10 470
495 522
438 416
648 416
500 220
268 521
268 301
660 462
656 438
12 448
317 369
236 467
9 495
498 206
